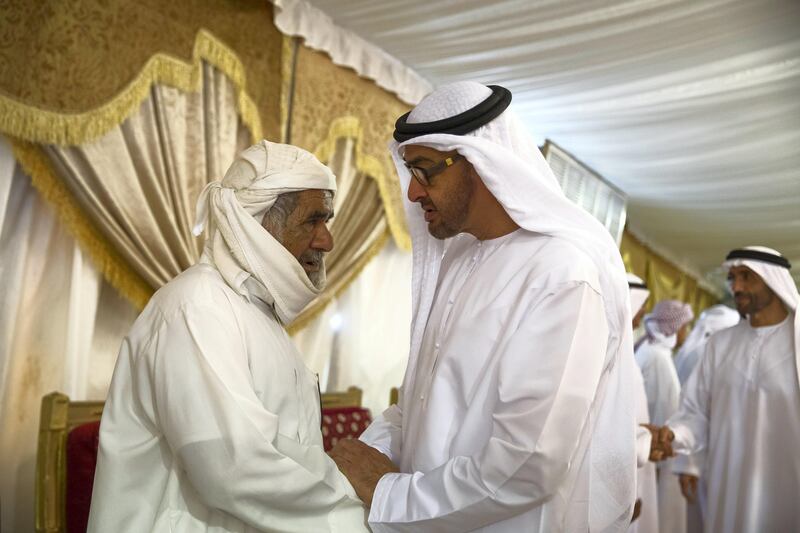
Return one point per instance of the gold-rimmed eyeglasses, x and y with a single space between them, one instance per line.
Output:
424 175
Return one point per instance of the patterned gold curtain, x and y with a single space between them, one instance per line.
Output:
665 280
110 109
130 195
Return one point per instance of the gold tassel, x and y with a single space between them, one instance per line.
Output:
350 127
105 258
48 127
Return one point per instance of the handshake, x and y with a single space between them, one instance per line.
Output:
661 443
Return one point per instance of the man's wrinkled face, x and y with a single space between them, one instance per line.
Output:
306 235
445 201
750 292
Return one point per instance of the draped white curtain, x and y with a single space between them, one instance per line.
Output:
60 329
362 338
61 325
691 108
300 18
139 182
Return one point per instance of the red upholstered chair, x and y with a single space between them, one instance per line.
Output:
65 463
343 417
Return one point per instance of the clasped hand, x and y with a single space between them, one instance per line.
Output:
661 443
362 465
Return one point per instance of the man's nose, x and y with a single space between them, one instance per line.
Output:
323 240
416 192
736 285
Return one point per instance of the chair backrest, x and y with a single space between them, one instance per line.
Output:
342 416
59 416
349 398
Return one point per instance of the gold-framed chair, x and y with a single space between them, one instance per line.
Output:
343 417
58 417
349 398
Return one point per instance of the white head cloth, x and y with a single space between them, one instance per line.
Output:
513 169
638 295
245 253
780 280
711 320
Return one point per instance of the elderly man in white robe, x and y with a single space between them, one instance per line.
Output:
713 319
515 411
646 513
212 422
666 326
742 403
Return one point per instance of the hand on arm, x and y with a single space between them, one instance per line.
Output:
362 465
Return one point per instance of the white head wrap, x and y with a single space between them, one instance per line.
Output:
638 295
780 280
711 320
513 169
242 250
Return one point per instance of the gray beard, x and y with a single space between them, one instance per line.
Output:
318 278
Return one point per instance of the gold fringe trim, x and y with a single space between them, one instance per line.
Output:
350 127
113 267
314 311
48 127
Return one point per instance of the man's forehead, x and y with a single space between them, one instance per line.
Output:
739 269
317 199
316 194
417 151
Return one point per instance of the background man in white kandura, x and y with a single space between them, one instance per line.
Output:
742 403
212 421
666 326
646 512
713 319
515 411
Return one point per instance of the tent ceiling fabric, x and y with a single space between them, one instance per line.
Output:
691 107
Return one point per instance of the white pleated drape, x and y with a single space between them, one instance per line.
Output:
61 324
60 329
139 182
691 108
362 338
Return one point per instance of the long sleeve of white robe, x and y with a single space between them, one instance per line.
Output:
187 427
690 424
548 374
228 444
663 397
646 490
385 433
